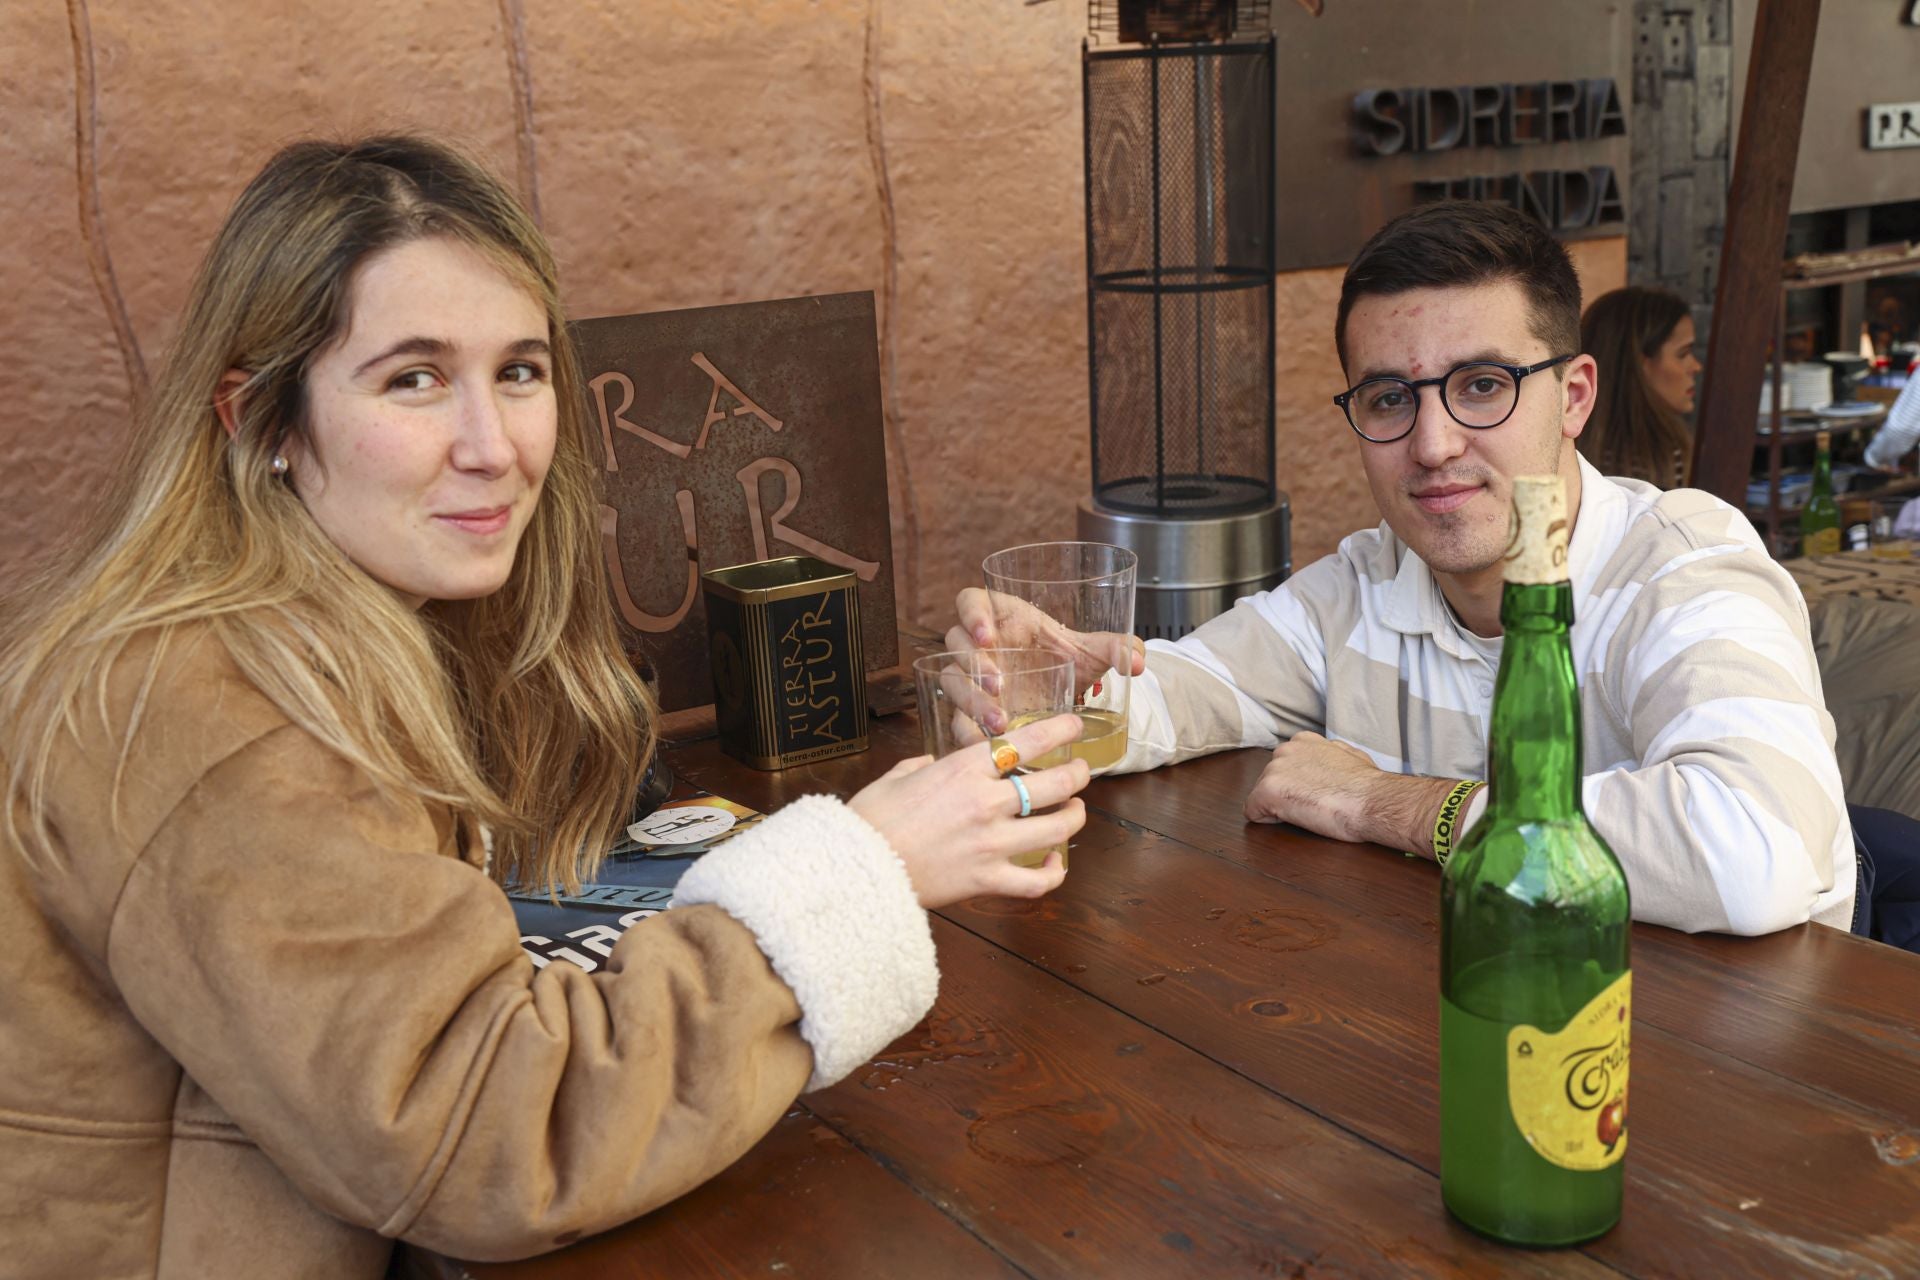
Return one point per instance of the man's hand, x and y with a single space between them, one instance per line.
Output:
1335 790
1318 784
1002 622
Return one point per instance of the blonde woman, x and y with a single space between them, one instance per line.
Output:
333 660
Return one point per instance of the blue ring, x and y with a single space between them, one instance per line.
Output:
1026 799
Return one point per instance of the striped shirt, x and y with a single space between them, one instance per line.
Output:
1901 431
1705 732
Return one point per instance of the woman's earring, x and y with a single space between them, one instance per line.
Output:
279 464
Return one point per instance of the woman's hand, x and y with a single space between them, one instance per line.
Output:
955 821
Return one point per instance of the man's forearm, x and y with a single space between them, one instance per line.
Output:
1399 811
1335 789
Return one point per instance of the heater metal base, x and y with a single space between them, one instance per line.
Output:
1192 570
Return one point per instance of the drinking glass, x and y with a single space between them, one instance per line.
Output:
1074 599
1886 541
966 698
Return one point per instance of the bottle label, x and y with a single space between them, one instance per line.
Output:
1568 1089
1822 542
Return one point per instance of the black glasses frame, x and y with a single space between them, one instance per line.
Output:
1519 373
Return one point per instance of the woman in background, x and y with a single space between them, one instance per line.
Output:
334 660
1642 339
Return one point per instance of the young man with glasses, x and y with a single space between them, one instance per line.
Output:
1708 746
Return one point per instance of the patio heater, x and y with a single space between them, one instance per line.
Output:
1180 296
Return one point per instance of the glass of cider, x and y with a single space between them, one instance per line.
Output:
966 698
1888 542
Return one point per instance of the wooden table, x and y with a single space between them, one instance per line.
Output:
1213 1053
1855 573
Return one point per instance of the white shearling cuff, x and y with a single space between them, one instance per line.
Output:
834 912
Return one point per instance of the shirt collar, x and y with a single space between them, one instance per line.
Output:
1597 529
1413 604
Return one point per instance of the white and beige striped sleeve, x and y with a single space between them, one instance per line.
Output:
1731 817
1252 677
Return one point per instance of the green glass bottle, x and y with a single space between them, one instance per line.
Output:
1534 921
1820 518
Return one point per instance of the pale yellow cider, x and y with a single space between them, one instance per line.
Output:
1102 740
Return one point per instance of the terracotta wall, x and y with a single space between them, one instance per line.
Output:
679 154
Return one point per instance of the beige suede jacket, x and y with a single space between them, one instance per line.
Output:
266 1023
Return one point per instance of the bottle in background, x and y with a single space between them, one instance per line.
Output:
1820 518
1534 921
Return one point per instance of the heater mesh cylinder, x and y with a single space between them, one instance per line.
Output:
1180 284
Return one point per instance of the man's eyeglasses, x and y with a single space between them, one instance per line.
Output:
1477 395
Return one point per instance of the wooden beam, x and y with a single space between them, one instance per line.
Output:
1758 199
1851 304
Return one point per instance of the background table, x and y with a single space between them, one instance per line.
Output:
1213 1052
1855 573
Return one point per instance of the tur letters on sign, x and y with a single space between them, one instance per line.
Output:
729 435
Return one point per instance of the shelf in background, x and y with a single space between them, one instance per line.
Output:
1799 428
1892 489
1860 266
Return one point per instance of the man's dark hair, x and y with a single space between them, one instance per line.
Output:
1469 242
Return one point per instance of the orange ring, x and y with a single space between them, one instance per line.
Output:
1006 756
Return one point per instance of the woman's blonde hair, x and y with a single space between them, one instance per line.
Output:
1630 433
516 709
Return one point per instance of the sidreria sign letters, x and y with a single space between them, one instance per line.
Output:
1504 118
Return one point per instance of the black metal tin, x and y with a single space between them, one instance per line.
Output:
789 681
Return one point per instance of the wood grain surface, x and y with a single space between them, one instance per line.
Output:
1213 1052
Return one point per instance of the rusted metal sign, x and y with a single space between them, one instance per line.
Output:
733 434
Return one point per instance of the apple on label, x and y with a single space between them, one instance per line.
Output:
1613 1121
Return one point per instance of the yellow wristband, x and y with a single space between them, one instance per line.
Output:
1443 826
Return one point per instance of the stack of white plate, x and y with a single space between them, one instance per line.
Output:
1810 384
1806 384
